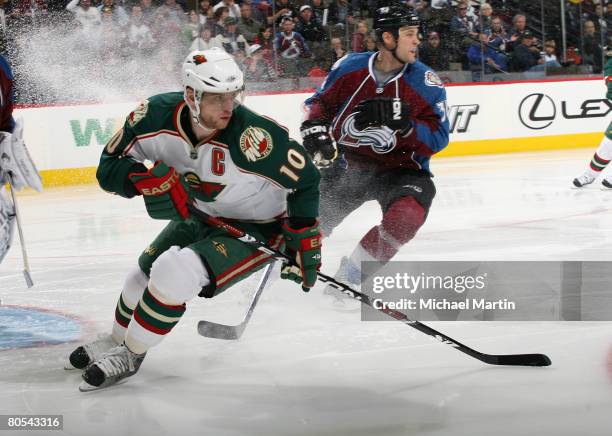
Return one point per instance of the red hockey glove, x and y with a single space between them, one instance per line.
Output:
164 191
304 245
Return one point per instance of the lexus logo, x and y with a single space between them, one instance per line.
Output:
537 111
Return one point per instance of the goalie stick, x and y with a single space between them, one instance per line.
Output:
26 263
221 331
493 359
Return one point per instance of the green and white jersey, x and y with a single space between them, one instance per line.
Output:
251 170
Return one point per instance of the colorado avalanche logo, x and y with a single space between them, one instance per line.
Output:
255 143
381 139
432 79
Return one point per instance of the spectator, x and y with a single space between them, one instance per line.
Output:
292 50
462 24
359 36
463 33
173 12
335 53
318 10
205 12
231 40
485 19
232 8
525 55
86 15
117 12
191 29
432 54
498 36
370 42
494 62
265 40
205 41
284 8
247 25
311 30
139 36
256 13
110 36
550 54
258 68
340 14
519 25
218 26
592 50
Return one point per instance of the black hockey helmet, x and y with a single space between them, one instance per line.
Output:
391 15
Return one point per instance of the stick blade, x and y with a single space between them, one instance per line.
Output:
28 278
519 360
218 331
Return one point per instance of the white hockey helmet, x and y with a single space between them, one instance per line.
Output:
211 71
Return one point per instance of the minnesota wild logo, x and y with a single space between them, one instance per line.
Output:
203 191
199 59
255 143
138 114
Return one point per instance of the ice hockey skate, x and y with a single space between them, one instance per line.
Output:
112 367
583 180
349 274
88 353
606 183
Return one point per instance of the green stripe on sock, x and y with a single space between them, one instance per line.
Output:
160 308
123 306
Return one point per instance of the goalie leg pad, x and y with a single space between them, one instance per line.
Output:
178 275
15 158
7 223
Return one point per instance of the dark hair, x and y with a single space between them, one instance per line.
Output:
219 12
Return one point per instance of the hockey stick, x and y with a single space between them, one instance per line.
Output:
493 359
26 264
221 331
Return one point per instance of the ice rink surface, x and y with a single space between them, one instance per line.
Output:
304 368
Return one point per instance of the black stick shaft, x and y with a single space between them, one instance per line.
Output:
507 359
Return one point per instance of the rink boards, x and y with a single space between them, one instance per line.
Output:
66 141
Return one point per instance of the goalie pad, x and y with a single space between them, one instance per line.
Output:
7 223
15 159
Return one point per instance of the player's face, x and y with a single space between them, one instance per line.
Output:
407 43
216 109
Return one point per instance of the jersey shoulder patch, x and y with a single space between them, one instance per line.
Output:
256 143
432 79
138 114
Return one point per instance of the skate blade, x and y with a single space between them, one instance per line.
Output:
86 387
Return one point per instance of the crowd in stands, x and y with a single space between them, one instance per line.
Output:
295 38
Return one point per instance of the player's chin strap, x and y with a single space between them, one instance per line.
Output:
394 51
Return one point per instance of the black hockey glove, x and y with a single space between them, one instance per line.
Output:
318 142
379 111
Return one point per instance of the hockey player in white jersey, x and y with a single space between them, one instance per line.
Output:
16 166
209 150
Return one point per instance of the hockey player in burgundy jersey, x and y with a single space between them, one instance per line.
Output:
387 114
